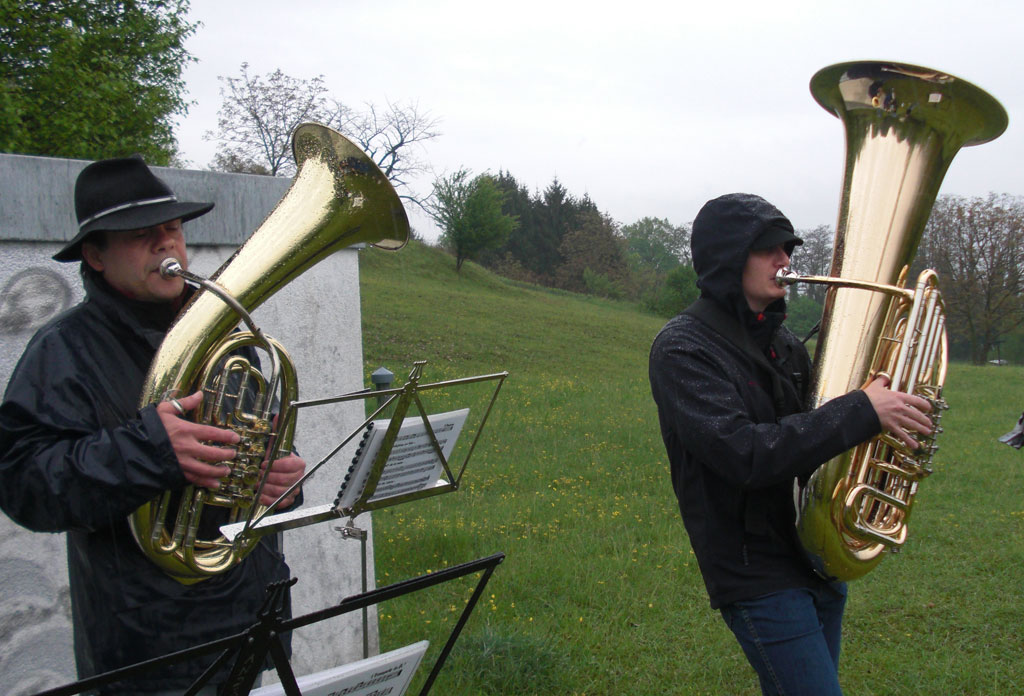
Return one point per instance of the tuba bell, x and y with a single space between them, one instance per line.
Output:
338 198
904 124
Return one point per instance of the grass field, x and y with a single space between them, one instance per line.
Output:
599 592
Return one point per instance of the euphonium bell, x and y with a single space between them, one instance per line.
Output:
904 124
338 198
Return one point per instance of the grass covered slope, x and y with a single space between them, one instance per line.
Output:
599 593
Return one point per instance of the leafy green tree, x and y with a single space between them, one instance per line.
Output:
468 211
802 314
601 284
677 293
89 79
657 244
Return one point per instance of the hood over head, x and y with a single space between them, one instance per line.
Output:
724 231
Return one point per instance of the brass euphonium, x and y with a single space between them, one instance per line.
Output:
338 198
904 124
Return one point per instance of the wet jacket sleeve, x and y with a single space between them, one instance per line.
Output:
60 468
723 418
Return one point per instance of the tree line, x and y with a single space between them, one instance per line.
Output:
559 240
90 79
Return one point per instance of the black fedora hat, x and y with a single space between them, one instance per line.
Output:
123 194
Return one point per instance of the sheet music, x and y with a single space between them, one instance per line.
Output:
284 520
389 673
412 465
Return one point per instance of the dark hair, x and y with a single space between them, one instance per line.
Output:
98 239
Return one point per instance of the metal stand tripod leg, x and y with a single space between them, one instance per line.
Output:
351 532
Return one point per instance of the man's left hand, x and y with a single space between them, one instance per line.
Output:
283 473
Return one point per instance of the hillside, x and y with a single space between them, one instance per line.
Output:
569 473
415 307
599 593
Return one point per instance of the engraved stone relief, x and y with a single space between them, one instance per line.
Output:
31 298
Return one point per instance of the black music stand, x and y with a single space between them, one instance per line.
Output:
247 651
400 401
367 486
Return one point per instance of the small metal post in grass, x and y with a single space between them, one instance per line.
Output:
382 379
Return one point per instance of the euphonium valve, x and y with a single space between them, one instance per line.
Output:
338 198
904 124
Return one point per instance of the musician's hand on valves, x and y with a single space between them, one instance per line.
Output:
283 473
898 412
191 442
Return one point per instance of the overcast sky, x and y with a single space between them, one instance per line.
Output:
650 107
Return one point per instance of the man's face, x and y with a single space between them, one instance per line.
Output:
759 286
130 261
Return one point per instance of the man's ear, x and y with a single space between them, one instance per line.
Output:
91 255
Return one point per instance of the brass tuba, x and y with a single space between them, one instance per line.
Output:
904 124
338 198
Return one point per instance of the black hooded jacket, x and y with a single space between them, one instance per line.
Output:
77 455
735 424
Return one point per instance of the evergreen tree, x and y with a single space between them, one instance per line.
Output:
519 204
594 259
554 216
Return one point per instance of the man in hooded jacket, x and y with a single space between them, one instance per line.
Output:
77 454
731 384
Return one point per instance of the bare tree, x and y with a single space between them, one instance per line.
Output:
258 115
393 139
814 257
977 247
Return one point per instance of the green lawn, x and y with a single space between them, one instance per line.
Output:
599 592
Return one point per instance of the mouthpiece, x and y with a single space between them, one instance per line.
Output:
170 267
785 277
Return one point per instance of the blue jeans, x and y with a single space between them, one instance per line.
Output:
791 639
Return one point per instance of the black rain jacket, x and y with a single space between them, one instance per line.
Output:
736 433
77 455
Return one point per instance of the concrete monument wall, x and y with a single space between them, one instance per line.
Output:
317 319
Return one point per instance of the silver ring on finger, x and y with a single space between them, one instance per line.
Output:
177 407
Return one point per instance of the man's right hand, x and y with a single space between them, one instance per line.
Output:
898 412
188 440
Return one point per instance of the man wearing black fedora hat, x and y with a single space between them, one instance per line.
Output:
78 455
732 383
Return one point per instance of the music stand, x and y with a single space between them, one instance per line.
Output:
249 649
390 448
402 399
